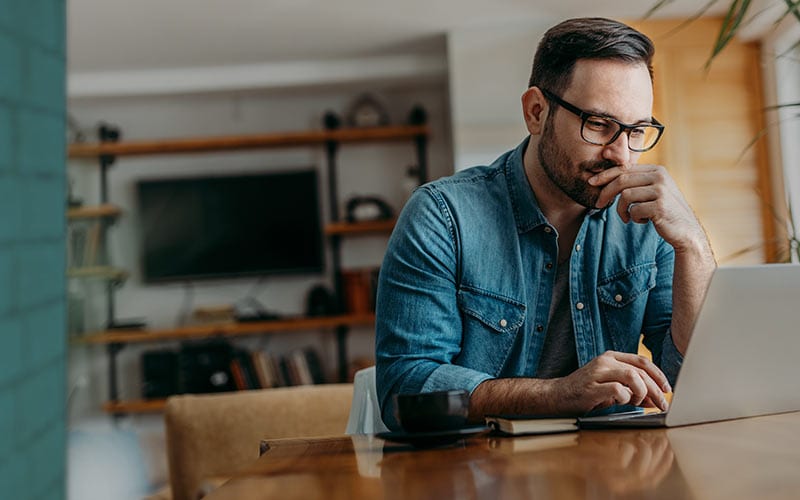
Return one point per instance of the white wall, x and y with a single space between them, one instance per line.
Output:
489 69
782 86
363 169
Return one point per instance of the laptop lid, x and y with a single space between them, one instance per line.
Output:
742 359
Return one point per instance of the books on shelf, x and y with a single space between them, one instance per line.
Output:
263 370
531 424
302 367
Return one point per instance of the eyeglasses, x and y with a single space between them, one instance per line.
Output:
604 130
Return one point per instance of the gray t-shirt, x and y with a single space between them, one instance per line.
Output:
559 354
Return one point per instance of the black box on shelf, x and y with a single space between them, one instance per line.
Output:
205 367
159 374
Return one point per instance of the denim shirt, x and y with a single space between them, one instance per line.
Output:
466 283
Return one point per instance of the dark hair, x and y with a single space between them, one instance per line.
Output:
586 38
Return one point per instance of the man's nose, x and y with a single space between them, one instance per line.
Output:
618 151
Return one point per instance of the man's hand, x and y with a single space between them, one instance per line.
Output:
613 378
648 193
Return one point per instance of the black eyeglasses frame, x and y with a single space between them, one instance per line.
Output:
623 127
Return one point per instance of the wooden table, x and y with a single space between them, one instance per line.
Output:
748 458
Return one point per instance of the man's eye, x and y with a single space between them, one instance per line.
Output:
598 124
637 132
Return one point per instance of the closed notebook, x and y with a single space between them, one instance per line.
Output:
530 424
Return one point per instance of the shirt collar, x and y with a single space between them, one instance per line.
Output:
527 213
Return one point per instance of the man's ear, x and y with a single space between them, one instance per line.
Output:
535 108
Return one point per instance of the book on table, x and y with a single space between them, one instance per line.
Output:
531 424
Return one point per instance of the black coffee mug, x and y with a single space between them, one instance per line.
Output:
432 411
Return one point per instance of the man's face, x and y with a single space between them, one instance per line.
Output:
602 87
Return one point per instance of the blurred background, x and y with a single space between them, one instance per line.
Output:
416 90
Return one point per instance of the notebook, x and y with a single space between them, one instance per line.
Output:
530 424
742 360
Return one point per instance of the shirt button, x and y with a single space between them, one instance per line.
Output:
577 248
579 306
549 265
618 298
503 323
539 328
547 229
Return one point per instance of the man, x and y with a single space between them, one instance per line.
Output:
529 282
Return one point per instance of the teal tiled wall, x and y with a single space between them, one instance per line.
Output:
32 232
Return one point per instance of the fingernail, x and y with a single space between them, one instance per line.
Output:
664 404
666 387
592 180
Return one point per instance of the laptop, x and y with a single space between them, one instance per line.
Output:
742 360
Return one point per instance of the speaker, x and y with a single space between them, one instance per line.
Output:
205 367
321 302
159 374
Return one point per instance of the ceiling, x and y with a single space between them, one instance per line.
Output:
114 35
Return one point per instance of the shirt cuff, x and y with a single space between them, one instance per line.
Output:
454 377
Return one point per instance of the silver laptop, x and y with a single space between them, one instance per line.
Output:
742 360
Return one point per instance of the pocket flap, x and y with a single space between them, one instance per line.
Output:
501 314
623 288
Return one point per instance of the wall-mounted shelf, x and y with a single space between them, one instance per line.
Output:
231 329
331 139
100 272
240 142
106 210
354 228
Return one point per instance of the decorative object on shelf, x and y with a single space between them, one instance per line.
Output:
331 120
321 301
367 111
336 134
417 115
368 208
205 367
360 286
72 200
108 133
128 324
159 373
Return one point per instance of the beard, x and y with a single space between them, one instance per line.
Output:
565 174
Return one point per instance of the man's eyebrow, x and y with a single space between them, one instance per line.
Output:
603 114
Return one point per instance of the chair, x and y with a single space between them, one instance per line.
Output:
365 413
212 436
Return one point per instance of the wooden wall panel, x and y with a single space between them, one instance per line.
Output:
711 117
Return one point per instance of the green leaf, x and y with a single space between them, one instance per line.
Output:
786 52
733 19
793 7
784 105
697 15
656 7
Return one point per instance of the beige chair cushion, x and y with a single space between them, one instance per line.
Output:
215 435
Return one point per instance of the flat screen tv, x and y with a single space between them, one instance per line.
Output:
228 226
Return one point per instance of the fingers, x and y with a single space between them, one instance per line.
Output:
625 182
638 375
645 364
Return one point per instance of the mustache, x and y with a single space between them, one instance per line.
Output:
598 164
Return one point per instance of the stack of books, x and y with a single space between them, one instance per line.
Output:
263 370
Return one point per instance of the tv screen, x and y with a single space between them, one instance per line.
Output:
211 227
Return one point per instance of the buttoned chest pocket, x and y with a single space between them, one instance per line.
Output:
623 299
490 325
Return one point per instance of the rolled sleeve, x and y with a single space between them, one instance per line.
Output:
671 359
418 325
